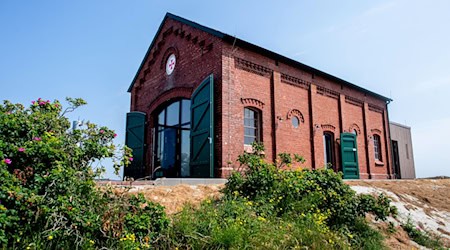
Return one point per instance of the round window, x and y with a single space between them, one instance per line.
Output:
295 122
170 64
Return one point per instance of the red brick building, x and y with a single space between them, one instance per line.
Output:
200 97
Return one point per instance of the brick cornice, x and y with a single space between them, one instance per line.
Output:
252 67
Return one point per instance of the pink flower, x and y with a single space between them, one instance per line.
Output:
7 161
37 139
33 102
48 101
115 135
21 149
102 131
41 103
131 158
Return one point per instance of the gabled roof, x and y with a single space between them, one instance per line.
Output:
252 47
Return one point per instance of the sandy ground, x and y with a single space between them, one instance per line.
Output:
426 202
174 197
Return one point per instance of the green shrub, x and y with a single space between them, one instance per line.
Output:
48 196
235 224
422 237
280 192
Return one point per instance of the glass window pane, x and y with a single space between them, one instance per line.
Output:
249 122
295 122
161 117
159 149
173 114
250 132
251 126
185 153
185 111
248 140
248 113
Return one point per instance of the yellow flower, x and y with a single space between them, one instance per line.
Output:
92 242
50 237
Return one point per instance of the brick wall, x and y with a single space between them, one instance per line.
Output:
280 91
324 105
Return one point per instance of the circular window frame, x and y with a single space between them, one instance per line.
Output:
169 58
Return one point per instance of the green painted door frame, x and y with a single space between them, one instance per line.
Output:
349 156
202 130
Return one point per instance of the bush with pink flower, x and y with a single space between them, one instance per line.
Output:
47 176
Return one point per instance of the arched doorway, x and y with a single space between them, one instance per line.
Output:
172 139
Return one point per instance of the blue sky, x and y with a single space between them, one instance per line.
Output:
92 49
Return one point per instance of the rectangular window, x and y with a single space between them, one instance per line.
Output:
251 126
377 147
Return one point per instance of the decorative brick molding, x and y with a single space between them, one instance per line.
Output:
354 101
327 92
252 67
376 108
170 95
285 78
328 127
156 50
376 131
354 127
296 113
252 103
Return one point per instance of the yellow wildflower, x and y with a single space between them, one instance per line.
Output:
50 237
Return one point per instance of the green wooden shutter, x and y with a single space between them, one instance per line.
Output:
135 139
349 156
202 130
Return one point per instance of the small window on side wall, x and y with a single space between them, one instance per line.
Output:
377 147
252 126
295 121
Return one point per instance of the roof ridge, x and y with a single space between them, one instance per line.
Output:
239 42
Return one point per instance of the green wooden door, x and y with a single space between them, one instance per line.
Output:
349 156
202 130
135 139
